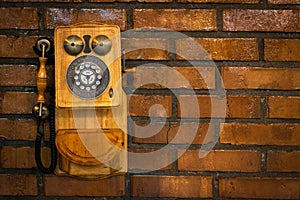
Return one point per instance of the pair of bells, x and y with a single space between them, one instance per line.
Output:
74 45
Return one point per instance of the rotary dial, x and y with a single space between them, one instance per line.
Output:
87 77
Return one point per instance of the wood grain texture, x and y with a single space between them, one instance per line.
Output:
64 97
91 134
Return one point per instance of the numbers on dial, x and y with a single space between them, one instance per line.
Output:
87 77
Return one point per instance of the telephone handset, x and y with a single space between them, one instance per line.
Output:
90 105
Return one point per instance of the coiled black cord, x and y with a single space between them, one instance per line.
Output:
39 138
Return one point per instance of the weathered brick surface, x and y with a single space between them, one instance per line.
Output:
182 19
283 107
18 18
18 129
171 186
243 107
33 1
146 48
17 75
261 20
21 157
65 16
284 1
216 49
150 105
154 132
161 159
261 78
17 102
151 1
260 134
174 77
18 185
68 186
220 1
255 45
220 160
128 1
283 161
175 133
23 75
258 187
282 49
17 47
235 107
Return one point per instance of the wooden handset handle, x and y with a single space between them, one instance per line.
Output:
41 76
41 80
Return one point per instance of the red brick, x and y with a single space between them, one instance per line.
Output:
151 1
220 1
261 78
171 186
283 161
174 77
65 16
17 102
220 160
18 129
283 107
156 132
237 107
25 76
150 105
126 1
18 75
18 185
282 49
182 19
43 1
192 133
216 49
284 1
175 133
243 107
19 18
68 186
257 187
260 134
161 159
21 157
17 47
146 48
261 20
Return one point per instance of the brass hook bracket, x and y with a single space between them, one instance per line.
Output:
43 43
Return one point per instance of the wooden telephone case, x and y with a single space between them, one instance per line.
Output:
91 113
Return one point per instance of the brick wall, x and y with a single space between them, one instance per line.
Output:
256 48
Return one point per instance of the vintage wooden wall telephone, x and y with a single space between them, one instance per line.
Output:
89 126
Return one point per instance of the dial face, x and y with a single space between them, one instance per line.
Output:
87 77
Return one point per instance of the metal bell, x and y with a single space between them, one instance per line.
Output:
73 45
101 45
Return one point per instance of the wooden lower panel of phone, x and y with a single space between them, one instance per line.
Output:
91 153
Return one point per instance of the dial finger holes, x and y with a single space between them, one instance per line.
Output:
101 45
73 45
